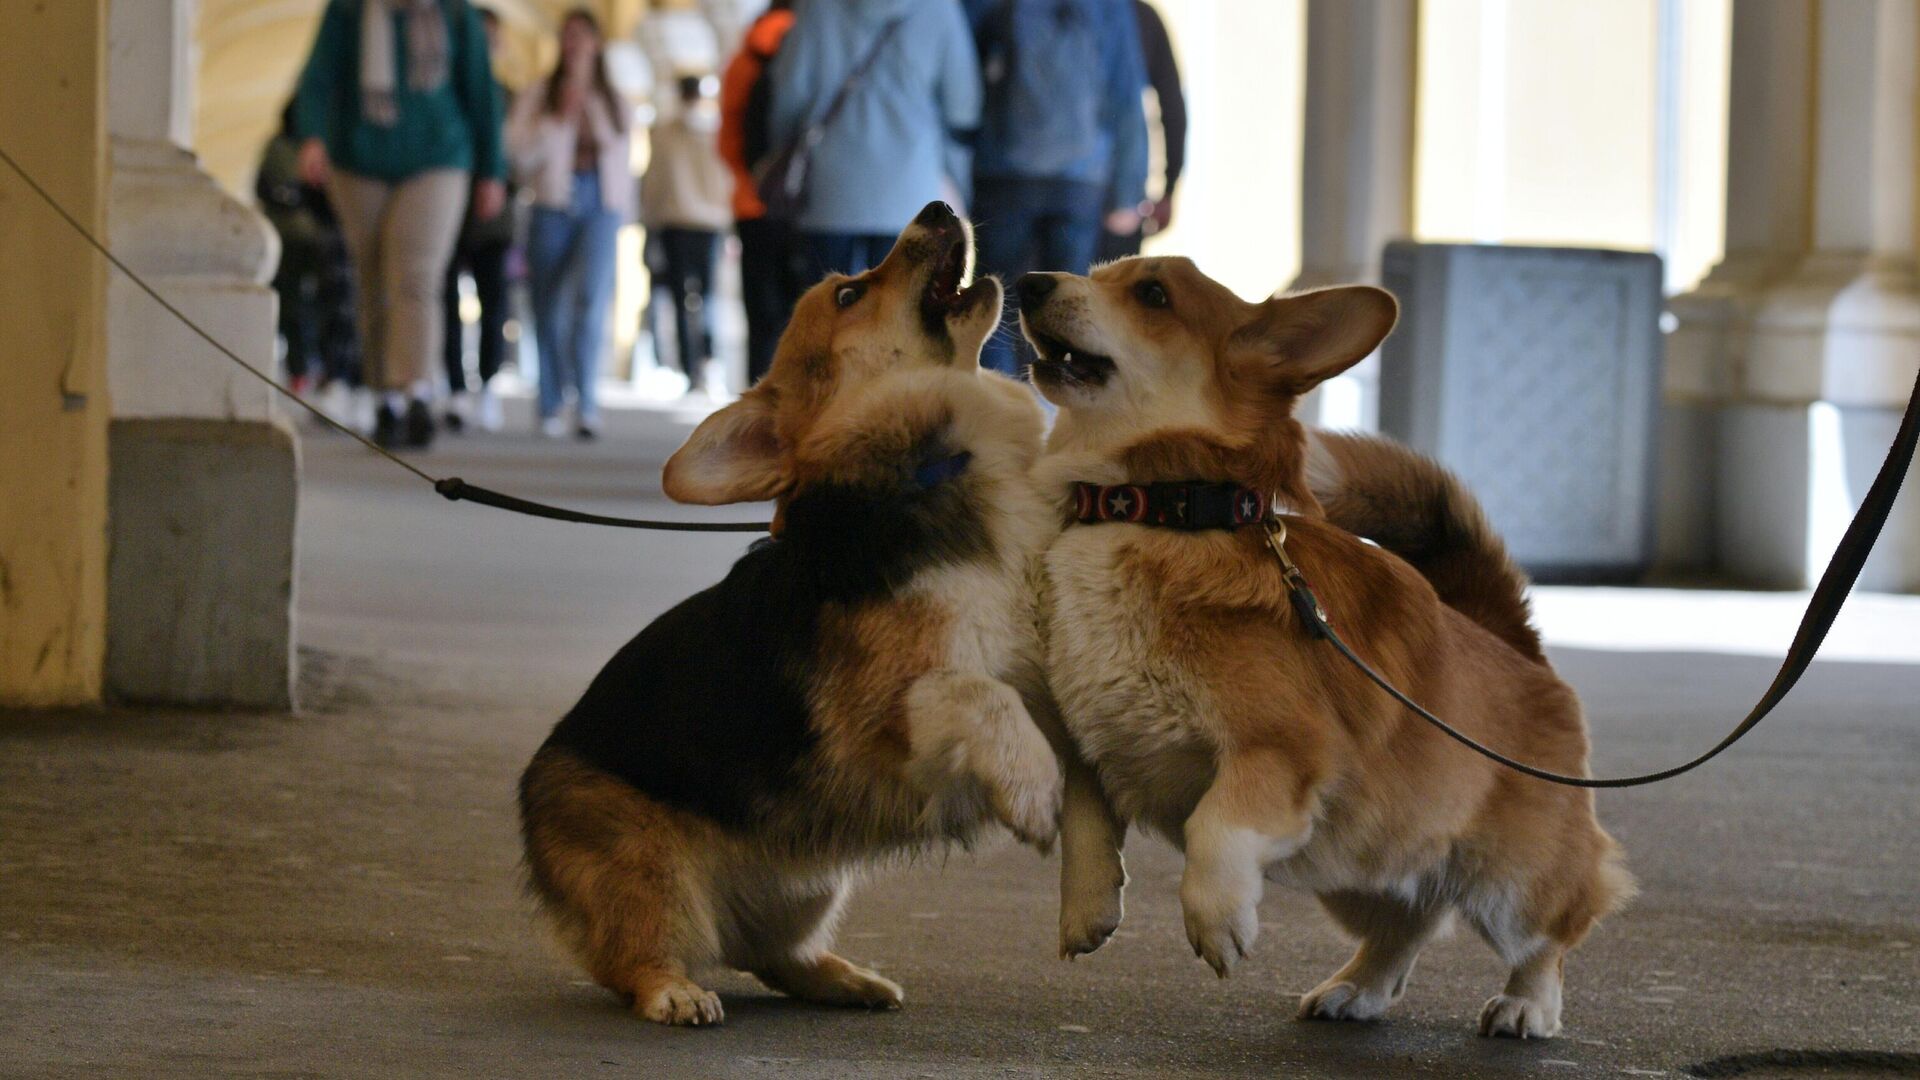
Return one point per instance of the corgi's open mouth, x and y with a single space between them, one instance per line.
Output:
1062 364
948 293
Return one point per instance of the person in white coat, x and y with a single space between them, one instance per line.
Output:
685 203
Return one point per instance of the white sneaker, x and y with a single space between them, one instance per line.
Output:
490 416
553 427
459 415
365 402
336 400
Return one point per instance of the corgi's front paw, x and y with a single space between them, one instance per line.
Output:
1509 1016
1026 799
1221 923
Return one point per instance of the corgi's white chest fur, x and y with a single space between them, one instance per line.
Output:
1144 721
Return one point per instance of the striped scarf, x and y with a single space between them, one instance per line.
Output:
426 32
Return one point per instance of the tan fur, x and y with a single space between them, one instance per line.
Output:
1215 719
1414 507
927 703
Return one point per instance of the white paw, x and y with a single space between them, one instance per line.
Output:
681 1002
1221 924
1089 915
1337 999
868 989
1509 1017
1026 797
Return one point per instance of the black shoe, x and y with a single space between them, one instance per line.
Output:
453 422
386 428
419 425
587 432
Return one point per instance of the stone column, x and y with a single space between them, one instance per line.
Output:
1769 224
1833 345
203 466
1356 189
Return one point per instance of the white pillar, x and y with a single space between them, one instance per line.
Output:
1846 326
202 465
1791 361
205 251
1768 228
1356 165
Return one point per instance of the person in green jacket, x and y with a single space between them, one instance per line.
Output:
397 117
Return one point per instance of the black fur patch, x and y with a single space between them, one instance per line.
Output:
707 709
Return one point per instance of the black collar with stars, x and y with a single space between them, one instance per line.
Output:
1189 504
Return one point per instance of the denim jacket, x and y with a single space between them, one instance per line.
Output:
1017 140
895 145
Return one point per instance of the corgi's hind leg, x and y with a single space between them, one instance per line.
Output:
1392 931
961 724
788 951
1529 1008
620 875
1564 903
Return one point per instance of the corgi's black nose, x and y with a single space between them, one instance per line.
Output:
1034 289
936 215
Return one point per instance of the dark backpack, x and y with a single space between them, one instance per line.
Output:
756 126
1046 80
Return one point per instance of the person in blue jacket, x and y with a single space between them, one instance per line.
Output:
1062 149
897 143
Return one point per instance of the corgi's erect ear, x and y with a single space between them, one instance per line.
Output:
1307 339
733 456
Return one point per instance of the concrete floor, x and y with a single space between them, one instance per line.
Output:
336 893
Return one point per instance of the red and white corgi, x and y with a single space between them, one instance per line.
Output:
1211 714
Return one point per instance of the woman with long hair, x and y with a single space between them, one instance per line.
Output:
568 137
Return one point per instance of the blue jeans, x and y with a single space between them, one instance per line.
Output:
570 266
1028 224
842 253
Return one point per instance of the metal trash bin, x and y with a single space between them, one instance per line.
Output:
1534 373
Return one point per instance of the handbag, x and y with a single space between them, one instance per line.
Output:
785 181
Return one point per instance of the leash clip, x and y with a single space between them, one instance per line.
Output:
1305 603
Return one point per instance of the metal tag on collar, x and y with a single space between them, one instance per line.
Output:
1305 603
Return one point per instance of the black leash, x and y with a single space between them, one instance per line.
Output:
1828 597
453 488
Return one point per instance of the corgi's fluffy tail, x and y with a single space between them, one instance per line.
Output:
1412 506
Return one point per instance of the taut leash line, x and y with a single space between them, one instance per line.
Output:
453 488
1828 598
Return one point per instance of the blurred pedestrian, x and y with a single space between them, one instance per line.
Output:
1163 74
314 280
684 200
481 253
908 80
770 281
1062 151
569 137
396 114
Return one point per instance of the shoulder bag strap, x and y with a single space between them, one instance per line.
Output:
854 79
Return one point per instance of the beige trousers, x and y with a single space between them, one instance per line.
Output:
400 236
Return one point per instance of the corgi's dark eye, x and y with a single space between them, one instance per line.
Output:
1152 294
849 294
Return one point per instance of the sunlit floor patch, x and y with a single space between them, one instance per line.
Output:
1874 627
